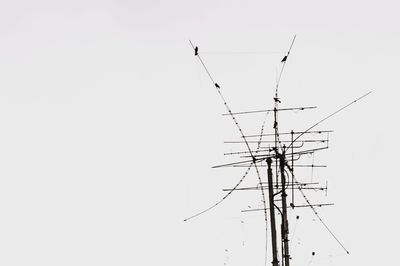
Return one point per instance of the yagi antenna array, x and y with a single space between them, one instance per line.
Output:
281 153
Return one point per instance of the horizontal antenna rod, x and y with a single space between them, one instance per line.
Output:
294 133
303 185
245 152
289 155
275 186
270 155
272 141
295 206
247 161
262 165
271 110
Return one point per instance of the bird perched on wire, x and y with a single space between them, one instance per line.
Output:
284 59
217 86
196 51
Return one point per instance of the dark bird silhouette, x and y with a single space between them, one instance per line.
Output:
284 59
196 51
217 86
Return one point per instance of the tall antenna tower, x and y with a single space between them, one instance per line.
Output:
279 153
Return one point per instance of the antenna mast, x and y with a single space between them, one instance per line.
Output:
279 160
275 261
281 157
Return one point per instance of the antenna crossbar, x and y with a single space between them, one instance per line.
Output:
271 110
295 206
294 132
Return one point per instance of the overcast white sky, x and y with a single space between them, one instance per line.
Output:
109 128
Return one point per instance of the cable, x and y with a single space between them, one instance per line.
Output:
223 198
329 116
284 64
195 48
320 219
262 190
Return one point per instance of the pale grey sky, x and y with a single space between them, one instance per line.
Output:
109 128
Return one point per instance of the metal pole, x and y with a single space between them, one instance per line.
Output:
276 137
292 171
275 261
285 224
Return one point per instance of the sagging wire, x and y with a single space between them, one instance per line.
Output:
262 189
224 197
196 53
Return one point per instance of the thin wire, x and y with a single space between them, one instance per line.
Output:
276 94
329 116
223 198
262 190
223 99
284 64
208 72
320 219
262 131
242 135
241 53
241 132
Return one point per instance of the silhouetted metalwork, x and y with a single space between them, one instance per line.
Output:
281 154
271 110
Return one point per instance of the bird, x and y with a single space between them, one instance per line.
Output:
284 59
217 86
196 51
